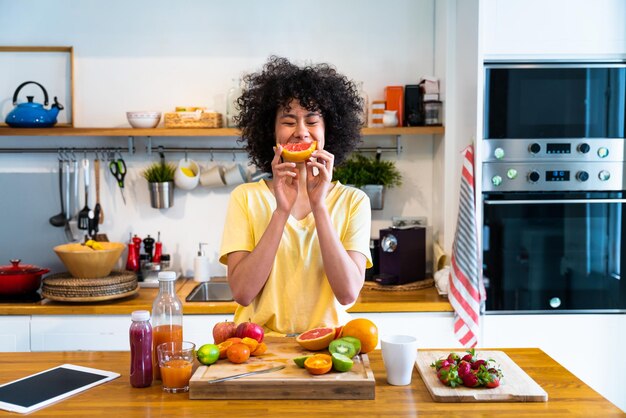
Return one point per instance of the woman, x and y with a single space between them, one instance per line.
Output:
297 246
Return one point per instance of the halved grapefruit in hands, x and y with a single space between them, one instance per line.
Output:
298 152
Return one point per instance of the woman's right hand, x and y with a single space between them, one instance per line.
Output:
285 182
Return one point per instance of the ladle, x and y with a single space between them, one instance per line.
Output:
59 219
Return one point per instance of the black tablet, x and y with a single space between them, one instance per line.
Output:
49 386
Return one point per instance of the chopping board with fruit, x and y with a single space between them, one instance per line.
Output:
318 364
481 376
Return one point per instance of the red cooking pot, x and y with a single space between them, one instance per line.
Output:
19 279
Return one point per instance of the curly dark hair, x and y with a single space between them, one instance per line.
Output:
318 88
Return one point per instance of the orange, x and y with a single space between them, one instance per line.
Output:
223 346
318 364
238 353
262 348
366 332
251 343
316 339
298 152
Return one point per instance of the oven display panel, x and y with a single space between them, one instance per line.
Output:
559 148
557 175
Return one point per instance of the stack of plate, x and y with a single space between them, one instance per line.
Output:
65 288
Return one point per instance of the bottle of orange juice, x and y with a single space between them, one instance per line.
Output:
167 316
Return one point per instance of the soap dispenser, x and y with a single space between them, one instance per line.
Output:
202 265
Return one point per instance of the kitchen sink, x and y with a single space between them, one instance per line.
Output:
210 292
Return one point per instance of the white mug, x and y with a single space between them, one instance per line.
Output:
235 175
399 355
183 180
212 177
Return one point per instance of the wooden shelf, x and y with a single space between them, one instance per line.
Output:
217 132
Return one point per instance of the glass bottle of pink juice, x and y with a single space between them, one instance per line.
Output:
140 349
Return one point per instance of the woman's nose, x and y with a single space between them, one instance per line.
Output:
301 130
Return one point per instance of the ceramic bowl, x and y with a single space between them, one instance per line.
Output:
85 263
143 119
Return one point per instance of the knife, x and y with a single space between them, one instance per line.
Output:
237 376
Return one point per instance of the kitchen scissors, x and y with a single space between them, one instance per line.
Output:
117 167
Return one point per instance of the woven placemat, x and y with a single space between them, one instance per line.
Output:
420 284
64 287
66 279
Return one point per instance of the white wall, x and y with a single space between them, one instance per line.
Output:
154 55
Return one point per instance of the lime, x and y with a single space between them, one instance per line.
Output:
354 341
300 361
208 354
342 363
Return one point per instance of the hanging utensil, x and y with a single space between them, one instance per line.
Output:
98 209
69 235
75 204
118 169
59 219
83 215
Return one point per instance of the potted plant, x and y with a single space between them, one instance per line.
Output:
160 176
372 175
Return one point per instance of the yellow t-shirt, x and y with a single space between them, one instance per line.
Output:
297 295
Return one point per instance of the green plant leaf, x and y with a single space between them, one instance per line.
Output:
360 170
160 172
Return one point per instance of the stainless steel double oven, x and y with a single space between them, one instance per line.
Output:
554 187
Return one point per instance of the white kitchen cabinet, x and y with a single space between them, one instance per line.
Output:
590 346
553 29
14 333
103 332
74 333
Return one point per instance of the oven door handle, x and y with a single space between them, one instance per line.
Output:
551 201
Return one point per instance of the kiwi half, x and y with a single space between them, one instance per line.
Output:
343 347
354 341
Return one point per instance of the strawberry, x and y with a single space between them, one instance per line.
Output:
440 363
453 358
449 376
464 368
471 379
469 357
476 365
494 382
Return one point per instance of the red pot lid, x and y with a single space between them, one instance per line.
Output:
15 268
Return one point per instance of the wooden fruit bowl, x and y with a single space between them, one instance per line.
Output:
86 263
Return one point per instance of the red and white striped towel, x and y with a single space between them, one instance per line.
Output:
467 292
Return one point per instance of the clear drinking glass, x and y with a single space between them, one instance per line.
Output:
176 362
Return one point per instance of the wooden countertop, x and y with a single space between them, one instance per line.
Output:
568 395
423 300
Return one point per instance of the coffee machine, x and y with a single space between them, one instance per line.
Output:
402 255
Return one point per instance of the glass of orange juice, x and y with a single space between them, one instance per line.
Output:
175 362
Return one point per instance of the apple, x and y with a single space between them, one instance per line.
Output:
250 330
223 331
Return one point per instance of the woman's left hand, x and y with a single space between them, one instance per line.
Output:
318 185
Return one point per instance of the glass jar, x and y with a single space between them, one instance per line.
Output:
432 112
140 336
167 315
232 109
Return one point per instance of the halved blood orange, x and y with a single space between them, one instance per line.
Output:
298 152
316 339
318 363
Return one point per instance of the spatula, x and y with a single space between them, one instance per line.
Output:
83 215
98 208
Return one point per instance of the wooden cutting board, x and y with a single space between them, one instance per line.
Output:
515 386
291 382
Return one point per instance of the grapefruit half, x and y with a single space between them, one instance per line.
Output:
316 339
298 152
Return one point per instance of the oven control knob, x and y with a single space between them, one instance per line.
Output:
555 302
496 180
582 176
498 153
603 152
533 177
534 148
583 148
604 175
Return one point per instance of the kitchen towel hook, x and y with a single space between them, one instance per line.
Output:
186 155
212 156
234 156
